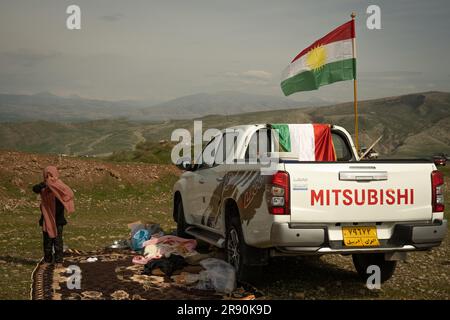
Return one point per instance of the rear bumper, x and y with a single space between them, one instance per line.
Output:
290 238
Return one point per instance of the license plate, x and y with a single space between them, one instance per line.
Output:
360 236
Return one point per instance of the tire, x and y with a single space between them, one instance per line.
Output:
181 222
236 250
363 261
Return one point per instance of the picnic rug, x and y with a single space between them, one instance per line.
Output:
114 277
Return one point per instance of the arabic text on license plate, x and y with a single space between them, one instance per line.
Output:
360 236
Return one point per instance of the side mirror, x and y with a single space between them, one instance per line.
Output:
440 161
184 164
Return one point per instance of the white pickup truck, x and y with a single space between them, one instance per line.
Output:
375 210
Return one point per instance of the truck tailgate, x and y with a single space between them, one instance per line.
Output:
360 192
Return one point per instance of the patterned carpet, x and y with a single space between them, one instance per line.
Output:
114 277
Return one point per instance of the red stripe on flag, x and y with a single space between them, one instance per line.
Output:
324 147
343 32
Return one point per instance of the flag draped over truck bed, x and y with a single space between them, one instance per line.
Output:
329 59
311 142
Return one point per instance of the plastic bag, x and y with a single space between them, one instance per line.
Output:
219 275
152 228
139 238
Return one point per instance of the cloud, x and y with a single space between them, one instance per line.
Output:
231 74
257 74
112 17
26 58
259 77
390 75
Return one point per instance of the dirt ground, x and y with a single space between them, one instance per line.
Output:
109 196
424 275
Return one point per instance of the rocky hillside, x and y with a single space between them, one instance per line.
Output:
20 171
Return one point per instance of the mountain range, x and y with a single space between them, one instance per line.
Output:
413 125
49 107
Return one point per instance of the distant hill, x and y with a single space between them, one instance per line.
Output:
48 107
412 125
221 103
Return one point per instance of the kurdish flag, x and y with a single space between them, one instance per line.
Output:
329 59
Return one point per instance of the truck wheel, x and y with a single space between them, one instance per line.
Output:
236 249
181 222
363 261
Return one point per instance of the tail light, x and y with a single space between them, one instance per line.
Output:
437 190
279 201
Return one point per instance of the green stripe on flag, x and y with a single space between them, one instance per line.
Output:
284 136
312 80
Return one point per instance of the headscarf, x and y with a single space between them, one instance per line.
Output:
55 189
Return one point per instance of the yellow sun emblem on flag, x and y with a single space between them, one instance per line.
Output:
316 58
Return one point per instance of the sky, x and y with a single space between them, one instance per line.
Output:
160 50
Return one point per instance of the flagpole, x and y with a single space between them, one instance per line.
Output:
355 93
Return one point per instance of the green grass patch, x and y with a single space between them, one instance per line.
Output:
146 152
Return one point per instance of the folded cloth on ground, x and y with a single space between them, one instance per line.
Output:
167 265
158 247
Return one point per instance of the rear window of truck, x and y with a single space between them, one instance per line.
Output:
261 143
341 147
